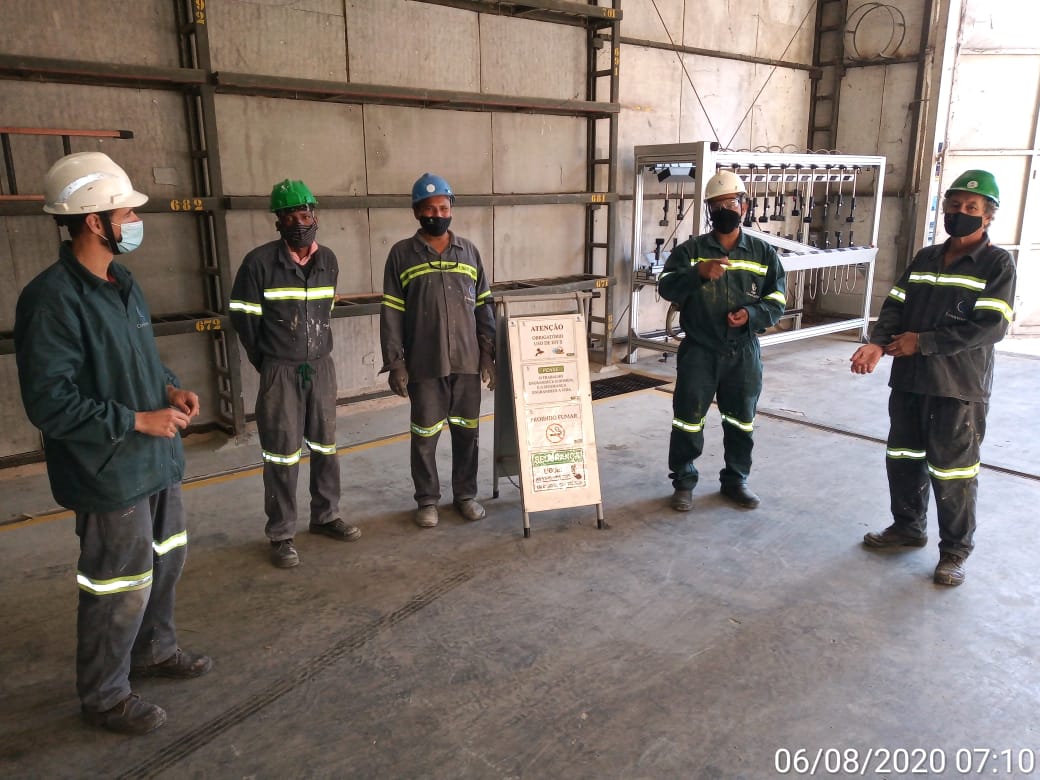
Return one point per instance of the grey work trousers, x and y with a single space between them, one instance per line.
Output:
937 440
453 401
129 563
296 406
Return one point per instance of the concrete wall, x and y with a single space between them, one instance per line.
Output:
678 98
342 149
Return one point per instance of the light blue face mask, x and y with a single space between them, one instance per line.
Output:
133 235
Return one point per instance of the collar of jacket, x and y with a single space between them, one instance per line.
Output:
973 255
88 280
742 242
317 259
417 241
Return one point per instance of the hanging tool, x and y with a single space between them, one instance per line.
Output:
781 196
826 240
827 195
749 218
811 190
658 244
664 217
852 204
841 185
680 209
796 201
837 239
765 201
850 238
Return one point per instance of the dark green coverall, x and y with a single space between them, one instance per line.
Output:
940 395
716 360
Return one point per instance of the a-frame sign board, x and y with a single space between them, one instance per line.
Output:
544 432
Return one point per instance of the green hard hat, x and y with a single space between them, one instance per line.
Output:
979 182
291 194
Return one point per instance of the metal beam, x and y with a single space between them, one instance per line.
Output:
344 92
16 66
719 55
556 11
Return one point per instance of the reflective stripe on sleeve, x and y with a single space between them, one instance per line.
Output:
995 304
246 307
393 303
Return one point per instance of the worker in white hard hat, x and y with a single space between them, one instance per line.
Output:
939 324
728 287
111 415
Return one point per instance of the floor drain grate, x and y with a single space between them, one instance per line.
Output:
624 383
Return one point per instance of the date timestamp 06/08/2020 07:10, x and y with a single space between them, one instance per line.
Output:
915 761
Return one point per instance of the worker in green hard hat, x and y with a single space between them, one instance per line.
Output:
281 307
939 324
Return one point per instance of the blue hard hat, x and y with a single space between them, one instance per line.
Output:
429 185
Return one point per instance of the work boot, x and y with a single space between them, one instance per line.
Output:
950 570
470 509
132 716
682 500
427 516
284 555
893 537
741 495
179 666
337 529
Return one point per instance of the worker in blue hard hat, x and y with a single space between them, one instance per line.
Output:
437 331
281 307
939 323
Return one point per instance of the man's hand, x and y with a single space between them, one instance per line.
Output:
399 381
185 400
866 358
737 318
487 370
163 423
712 269
903 345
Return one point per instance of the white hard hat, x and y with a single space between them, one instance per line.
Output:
88 182
724 183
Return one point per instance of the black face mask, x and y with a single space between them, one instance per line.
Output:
434 226
299 236
724 220
960 225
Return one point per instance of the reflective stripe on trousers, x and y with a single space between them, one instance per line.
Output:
935 442
129 564
453 400
734 379
290 413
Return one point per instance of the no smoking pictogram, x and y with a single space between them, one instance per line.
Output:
555 433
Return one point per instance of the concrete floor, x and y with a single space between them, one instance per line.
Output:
666 646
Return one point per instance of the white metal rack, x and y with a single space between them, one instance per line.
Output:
799 202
